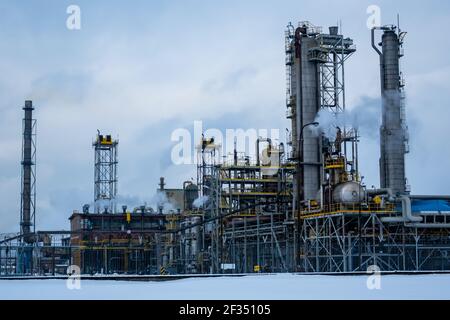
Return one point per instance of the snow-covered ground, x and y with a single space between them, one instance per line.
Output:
264 287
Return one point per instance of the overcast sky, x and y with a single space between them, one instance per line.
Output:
141 69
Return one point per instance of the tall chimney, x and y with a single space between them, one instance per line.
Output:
28 177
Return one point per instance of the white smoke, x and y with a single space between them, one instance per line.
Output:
161 201
199 202
365 117
130 201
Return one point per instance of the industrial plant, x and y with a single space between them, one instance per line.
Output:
297 206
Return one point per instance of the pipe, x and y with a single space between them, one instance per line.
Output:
407 215
373 41
377 192
282 149
374 46
428 225
235 155
407 209
186 183
422 197
298 116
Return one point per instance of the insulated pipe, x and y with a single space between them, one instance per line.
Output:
407 215
428 225
421 197
377 192
257 148
407 210
374 46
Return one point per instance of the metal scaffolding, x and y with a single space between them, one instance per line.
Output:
350 242
105 174
253 229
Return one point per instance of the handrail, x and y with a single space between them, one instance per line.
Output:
356 208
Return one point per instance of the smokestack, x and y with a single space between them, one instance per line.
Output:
28 178
393 138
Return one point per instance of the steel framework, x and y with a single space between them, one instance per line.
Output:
350 242
28 174
105 174
331 53
254 230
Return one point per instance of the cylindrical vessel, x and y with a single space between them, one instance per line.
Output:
349 193
393 135
307 94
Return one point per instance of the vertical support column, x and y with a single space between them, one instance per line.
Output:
245 246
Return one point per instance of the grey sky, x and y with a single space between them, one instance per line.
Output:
141 69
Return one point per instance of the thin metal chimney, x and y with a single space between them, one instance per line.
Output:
28 193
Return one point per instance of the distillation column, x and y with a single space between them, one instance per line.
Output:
315 72
307 106
393 132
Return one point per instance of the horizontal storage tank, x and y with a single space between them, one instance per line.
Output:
349 193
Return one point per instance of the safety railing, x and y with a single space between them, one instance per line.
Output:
339 208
